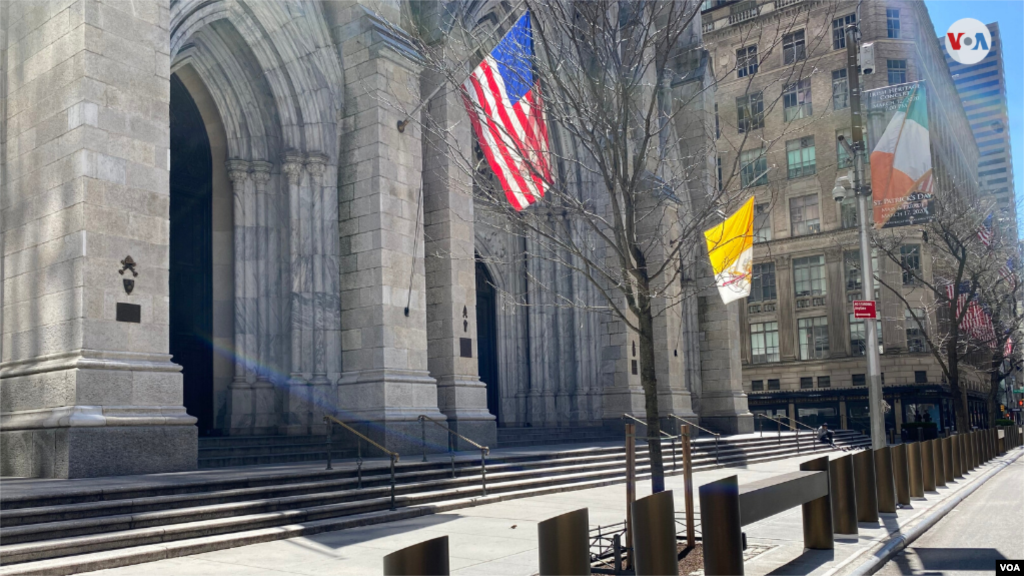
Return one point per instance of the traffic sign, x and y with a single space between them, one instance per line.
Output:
864 309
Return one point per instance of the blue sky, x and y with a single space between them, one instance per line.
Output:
1010 16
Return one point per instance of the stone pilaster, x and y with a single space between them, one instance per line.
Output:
241 399
86 391
786 307
838 322
265 417
723 404
383 302
452 346
296 420
319 384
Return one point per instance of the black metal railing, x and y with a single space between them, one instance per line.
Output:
330 421
701 428
484 450
665 435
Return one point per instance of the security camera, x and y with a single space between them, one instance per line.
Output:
839 193
867 58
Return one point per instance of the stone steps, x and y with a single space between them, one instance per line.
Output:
530 436
36 531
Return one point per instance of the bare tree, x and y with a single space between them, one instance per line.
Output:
628 95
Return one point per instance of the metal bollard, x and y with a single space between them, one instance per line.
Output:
885 481
720 519
654 532
817 514
972 453
426 558
844 495
916 465
947 458
927 466
901 474
1000 441
865 485
939 463
958 463
565 544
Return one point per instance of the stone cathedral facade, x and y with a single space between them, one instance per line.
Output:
294 253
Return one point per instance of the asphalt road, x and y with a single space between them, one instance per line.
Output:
988 525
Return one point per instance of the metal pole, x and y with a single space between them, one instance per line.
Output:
359 464
866 216
423 437
716 448
451 454
330 426
630 487
483 469
688 487
392 481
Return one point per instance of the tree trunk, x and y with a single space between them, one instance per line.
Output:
993 389
649 382
963 422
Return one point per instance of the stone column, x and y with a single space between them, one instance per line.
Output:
264 413
452 346
241 400
723 404
786 308
319 384
385 377
838 320
88 386
297 410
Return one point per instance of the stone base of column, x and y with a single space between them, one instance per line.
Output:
624 400
320 399
385 405
265 420
726 413
464 403
91 451
296 414
240 409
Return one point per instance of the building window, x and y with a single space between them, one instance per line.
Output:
920 377
892 22
764 342
762 223
809 276
796 100
719 161
746 61
773 384
800 157
824 381
910 263
858 380
718 131
859 338
757 385
804 215
762 282
840 89
915 332
806 382
839 30
753 168
813 335
897 71
793 49
749 112
852 270
843 158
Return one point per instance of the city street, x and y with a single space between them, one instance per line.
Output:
988 525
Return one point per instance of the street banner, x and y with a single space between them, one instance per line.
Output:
731 250
901 163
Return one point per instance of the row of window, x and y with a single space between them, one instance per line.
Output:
812 335
809 273
807 382
801 160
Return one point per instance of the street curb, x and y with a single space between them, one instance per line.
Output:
886 550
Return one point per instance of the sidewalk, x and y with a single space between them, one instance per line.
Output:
501 538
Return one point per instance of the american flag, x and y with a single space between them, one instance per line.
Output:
505 107
1006 272
1008 349
985 233
976 322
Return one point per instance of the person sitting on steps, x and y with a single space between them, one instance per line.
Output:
825 435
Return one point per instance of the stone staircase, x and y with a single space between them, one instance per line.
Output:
529 436
103 525
225 451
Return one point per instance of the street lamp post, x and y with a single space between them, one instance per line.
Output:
866 217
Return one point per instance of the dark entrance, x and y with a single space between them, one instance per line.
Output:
487 335
191 263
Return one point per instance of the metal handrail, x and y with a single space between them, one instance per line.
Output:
359 453
663 433
484 450
770 419
715 434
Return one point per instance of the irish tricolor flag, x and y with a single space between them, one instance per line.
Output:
901 165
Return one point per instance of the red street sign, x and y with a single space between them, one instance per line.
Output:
864 309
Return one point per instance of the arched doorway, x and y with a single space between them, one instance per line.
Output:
487 335
191 255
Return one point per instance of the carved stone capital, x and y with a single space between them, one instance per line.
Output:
261 173
238 170
292 167
316 165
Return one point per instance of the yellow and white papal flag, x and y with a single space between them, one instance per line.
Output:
731 249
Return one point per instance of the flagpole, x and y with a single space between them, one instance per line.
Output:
408 117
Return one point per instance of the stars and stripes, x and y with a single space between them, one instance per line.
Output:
1006 271
505 108
975 321
986 233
